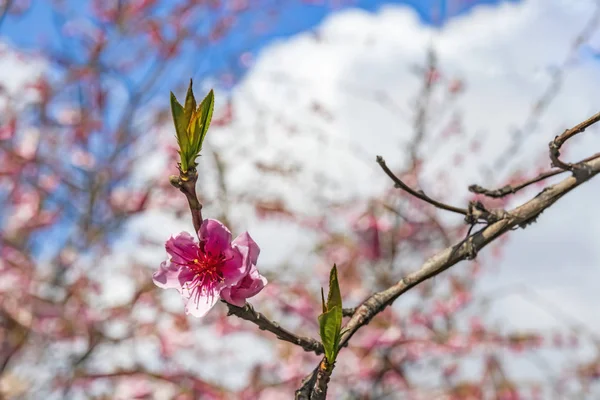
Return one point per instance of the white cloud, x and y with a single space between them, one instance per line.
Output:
20 67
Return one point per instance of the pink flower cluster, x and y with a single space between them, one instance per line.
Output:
213 268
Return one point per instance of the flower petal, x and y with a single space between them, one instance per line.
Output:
236 266
248 287
167 276
201 302
215 236
182 248
185 277
244 240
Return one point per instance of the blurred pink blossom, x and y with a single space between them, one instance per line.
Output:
28 146
381 337
8 128
83 159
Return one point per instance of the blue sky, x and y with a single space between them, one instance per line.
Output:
39 23
39 28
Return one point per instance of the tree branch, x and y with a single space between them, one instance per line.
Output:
319 390
314 385
186 183
308 383
510 189
556 144
418 193
249 314
520 216
348 312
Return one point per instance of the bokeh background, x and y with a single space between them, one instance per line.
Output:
449 92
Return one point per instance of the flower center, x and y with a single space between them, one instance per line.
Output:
207 269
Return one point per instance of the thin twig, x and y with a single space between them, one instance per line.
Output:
556 144
186 183
510 189
418 194
249 314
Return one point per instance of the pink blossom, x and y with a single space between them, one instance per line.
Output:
250 284
214 268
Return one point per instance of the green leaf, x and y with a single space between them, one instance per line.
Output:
330 322
334 298
330 325
191 125
198 125
190 104
180 128
178 118
204 113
